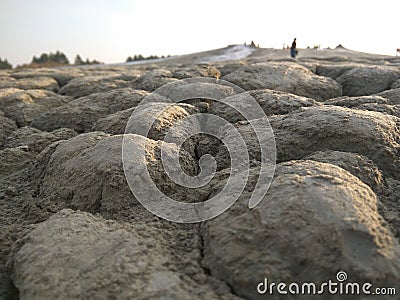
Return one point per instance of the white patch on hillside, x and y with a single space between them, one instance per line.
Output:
232 53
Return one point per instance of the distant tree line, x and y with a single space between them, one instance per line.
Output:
138 57
60 59
4 64
80 61
57 58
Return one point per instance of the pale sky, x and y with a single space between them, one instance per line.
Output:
110 31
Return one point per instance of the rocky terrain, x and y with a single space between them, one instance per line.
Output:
71 228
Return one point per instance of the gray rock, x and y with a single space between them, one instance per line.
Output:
86 173
36 140
391 206
371 103
196 71
316 219
396 84
24 106
312 65
310 129
271 102
281 103
80 114
84 86
170 114
372 134
40 83
62 76
7 126
393 110
58 169
7 92
354 102
76 255
114 123
335 71
363 168
358 165
203 89
376 103
173 120
310 224
286 77
211 145
229 68
367 80
152 80
248 133
13 160
392 95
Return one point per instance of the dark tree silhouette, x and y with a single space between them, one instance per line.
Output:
78 60
138 57
57 58
4 64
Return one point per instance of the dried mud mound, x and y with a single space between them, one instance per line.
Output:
72 228
311 224
45 83
24 106
367 80
99 259
287 77
34 140
81 113
87 171
7 126
372 134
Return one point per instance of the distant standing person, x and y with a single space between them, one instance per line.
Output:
293 51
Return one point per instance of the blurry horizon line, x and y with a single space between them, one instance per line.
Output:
71 58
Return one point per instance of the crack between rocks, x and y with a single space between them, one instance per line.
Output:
201 245
42 174
97 203
206 270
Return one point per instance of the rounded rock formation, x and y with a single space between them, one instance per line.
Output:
80 114
24 106
286 77
367 80
311 223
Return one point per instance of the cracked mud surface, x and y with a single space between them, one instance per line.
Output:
72 229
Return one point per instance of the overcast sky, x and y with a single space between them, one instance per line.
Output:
110 31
